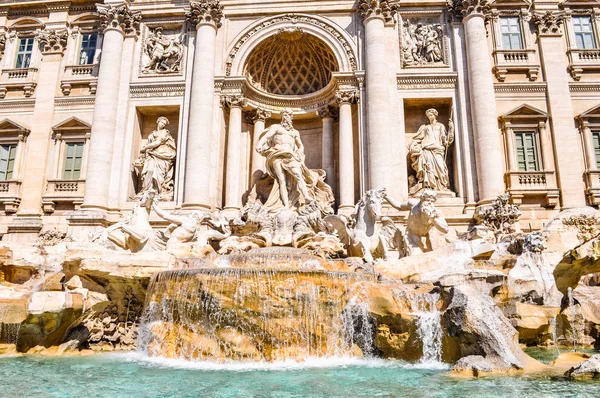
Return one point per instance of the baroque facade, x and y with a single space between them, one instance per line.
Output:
100 103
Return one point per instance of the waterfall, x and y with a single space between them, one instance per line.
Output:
253 314
573 319
429 326
554 332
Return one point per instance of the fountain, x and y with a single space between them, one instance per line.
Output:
430 328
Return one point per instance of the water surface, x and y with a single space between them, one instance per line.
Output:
134 375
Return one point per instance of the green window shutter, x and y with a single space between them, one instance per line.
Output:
7 161
73 159
526 146
596 141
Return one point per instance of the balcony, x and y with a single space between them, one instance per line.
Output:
509 61
593 186
581 61
80 76
10 195
523 184
63 191
24 79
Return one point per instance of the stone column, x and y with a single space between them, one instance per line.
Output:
346 150
380 170
488 148
259 116
588 144
327 147
52 46
510 146
233 196
205 16
117 21
569 156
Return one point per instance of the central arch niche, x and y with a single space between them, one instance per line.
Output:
291 63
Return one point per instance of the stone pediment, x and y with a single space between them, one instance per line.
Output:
8 127
525 112
511 3
72 125
579 3
591 116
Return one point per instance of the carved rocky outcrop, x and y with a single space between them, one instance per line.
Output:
52 41
549 23
377 9
205 12
119 17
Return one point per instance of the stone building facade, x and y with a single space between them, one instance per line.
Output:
515 85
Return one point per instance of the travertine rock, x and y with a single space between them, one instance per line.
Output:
587 369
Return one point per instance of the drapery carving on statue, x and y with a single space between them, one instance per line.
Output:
153 169
161 53
288 183
119 17
422 218
134 233
421 43
185 234
428 152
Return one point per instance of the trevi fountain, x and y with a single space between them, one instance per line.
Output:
325 264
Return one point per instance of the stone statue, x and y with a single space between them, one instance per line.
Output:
362 237
135 233
295 185
423 216
421 43
428 151
164 54
154 167
186 228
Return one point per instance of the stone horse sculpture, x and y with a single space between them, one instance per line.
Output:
362 236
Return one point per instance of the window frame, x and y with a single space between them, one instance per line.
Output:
591 32
80 47
535 147
65 158
19 53
13 148
521 43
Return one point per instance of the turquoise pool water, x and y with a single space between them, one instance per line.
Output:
133 375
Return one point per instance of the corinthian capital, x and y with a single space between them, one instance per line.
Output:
259 114
234 101
549 23
346 96
382 9
119 17
464 8
52 41
205 12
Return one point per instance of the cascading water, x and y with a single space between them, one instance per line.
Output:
429 327
250 314
552 322
575 328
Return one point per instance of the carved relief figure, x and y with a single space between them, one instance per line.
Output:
154 167
421 43
422 218
295 184
428 151
164 54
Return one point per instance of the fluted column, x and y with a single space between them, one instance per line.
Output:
380 150
588 144
346 149
488 151
117 21
259 116
233 196
327 146
569 156
205 16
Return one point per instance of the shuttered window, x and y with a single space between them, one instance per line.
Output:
7 161
596 141
527 156
73 157
511 33
88 48
584 33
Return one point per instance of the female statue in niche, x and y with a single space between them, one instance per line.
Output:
153 169
428 151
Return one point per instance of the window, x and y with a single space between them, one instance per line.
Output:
596 143
7 161
527 157
584 34
510 29
73 156
88 48
24 52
